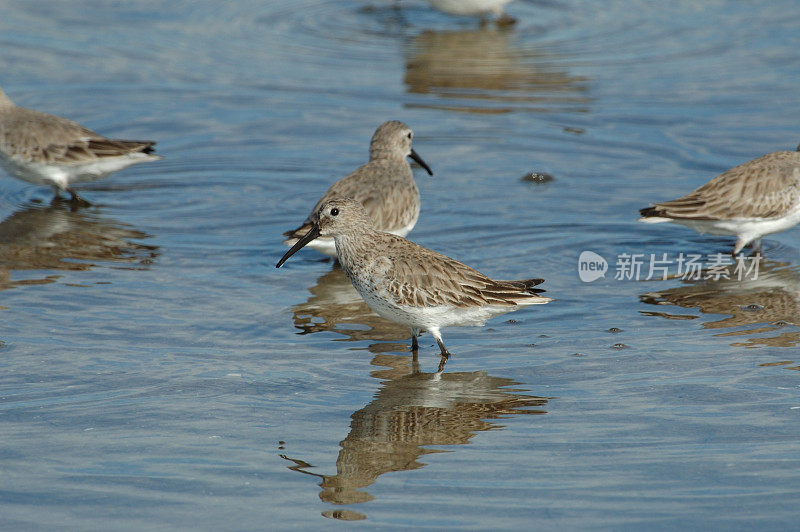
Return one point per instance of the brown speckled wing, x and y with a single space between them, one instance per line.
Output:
766 187
421 277
30 136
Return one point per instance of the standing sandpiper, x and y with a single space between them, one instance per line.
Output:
385 186
409 284
49 150
757 198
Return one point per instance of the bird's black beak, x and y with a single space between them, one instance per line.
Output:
420 162
308 237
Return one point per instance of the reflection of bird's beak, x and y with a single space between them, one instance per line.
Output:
308 237
420 162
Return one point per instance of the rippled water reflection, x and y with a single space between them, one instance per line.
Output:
155 365
335 306
411 411
484 70
61 237
757 306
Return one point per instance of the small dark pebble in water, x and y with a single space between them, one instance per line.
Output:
577 355
619 346
537 177
576 130
506 21
543 336
281 442
512 321
531 345
615 330
344 515
752 307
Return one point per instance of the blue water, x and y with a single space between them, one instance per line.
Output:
157 371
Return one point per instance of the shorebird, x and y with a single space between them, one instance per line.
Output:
480 8
757 198
385 186
49 150
409 284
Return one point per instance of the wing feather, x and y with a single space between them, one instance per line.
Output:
28 136
421 277
766 187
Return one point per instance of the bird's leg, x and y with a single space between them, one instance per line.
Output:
438 337
756 245
75 199
414 363
414 351
442 362
444 352
414 343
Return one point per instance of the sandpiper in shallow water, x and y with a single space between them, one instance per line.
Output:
409 284
49 150
757 198
385 186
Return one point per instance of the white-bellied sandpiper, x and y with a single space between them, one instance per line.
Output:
49 150
409 284
756 198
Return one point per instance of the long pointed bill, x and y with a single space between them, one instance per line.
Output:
311 235
420 162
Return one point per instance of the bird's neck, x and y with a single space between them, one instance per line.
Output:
352 249
382 153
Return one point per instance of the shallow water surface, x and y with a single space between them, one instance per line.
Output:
159 373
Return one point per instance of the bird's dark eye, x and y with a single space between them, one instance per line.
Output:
334 212
409 135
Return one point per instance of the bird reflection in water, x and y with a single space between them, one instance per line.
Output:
487 71
60 237
335 306
757 308
411 411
